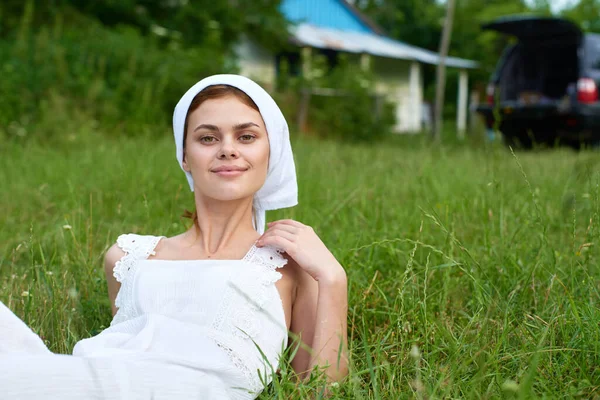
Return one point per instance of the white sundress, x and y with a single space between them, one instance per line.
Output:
185 329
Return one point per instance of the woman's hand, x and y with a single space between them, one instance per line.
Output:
302 244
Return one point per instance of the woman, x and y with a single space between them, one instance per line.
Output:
205 314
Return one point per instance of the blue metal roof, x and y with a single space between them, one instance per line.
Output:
331 24
331 14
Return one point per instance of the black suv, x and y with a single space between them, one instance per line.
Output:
545 87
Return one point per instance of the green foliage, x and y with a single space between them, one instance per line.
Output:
417 22
585 13
128 81
342 104
123 63
470 41
191 22
472 273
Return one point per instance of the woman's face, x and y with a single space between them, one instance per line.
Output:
226 149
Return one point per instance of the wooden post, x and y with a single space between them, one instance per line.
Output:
306 56
365 61
461 110
378 105
441 71
473 103
303 109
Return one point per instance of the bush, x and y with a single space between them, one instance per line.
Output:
128 81
342 102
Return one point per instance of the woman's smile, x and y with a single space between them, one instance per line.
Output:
229 170
230 173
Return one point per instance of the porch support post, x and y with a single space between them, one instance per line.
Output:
416 97
461 111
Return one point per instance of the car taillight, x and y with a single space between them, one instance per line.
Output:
587 91
490 92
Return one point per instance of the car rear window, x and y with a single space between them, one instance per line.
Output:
592 51
506 54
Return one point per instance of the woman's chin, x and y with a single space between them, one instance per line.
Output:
222 190
230 194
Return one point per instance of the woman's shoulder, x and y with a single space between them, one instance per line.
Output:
129 240
128 246
131 243
300 280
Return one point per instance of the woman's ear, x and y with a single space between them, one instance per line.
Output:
185 165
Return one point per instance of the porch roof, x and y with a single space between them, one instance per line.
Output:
305 34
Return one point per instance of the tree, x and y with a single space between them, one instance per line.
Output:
585 13
416 22
192 23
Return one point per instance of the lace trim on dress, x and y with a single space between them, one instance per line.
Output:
136 247
244 324
257 295
269 259
240 363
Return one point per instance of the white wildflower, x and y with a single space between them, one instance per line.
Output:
414 352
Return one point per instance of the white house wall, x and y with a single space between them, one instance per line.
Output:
256 63
393 79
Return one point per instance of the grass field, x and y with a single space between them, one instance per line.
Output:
474 272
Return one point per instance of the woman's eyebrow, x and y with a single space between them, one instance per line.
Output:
246 125
207 127
238 127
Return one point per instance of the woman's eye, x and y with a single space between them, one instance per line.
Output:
247 138
207 139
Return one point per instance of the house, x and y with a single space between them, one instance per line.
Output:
332 26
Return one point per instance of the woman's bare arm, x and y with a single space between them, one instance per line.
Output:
304 314
113 255
319 317
330 341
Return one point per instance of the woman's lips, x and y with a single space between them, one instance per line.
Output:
230 173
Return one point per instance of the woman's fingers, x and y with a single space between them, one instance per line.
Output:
286 234
279 242
288 222
283 227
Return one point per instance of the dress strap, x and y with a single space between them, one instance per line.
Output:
266 256
136 247
267 259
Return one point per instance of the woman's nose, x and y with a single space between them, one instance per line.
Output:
228 150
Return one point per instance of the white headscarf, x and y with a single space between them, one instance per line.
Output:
280 189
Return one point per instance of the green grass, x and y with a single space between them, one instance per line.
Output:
473 272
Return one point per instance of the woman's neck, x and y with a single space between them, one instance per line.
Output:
222 225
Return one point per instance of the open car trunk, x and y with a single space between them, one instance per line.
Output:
543 67
535 74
